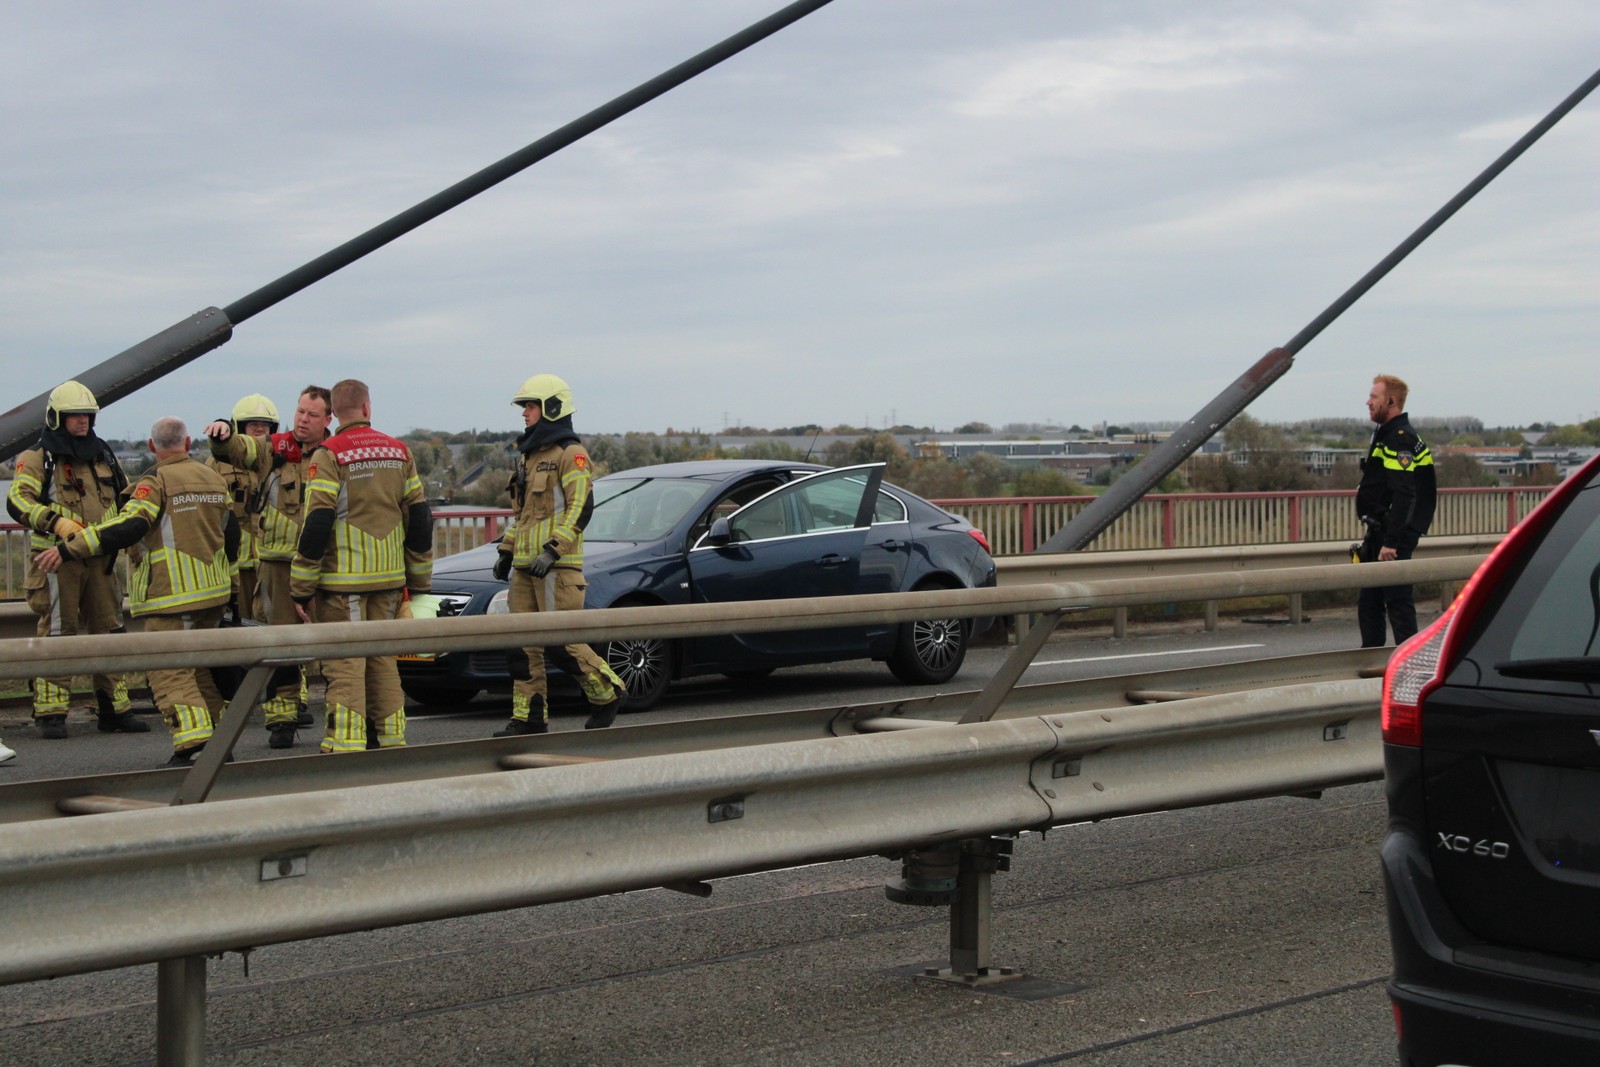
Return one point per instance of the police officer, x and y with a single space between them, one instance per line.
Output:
542 554
281 463
257 417
179 512
71 480
366 542
1395 500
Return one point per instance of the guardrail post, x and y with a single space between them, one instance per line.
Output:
960 874
1119 622
1211 616
181 1012
1295 609
971 912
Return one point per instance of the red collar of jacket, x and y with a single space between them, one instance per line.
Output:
359 441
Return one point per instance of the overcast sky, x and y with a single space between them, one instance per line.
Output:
926 211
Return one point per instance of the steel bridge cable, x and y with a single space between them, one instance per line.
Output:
1165 458
192 337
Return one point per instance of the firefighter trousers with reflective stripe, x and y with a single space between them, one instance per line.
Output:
561 589
281 702
80 598
363 695
187 697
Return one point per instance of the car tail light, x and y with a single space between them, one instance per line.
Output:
1414 671
977 535
1420 664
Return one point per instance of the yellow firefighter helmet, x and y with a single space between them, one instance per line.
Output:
254 408
553 395
69 398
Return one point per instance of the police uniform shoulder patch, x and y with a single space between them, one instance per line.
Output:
1405 459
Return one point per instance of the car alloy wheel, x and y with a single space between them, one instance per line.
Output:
645 665
929 651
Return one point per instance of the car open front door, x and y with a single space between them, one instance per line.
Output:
804 539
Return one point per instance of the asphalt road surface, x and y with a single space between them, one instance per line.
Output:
1238 934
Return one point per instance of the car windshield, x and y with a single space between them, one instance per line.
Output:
640 509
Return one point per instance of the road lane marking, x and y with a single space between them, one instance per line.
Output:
1142 655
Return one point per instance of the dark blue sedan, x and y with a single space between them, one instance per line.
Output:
716 531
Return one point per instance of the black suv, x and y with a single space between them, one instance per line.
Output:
1491 729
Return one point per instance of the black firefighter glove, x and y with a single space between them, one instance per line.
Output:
502 566
543 562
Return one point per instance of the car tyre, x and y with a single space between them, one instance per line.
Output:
929 651
645 665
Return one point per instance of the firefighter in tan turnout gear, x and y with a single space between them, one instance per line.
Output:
71 480
367 542
257 417
542 554
281 462
179 512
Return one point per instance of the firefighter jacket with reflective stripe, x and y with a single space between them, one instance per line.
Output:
244 500
551 500
82 491
281 465
1398 486
179 511
367 525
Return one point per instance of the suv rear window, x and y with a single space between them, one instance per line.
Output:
1550 609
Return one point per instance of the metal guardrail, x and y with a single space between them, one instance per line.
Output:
272 645
1097 566
17 621
310 865
60 798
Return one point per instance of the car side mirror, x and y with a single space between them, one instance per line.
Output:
720 533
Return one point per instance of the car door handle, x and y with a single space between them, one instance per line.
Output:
891 546
833 559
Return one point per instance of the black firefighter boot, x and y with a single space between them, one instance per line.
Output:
111 722
603 715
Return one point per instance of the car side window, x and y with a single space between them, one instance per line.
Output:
888 509
730 503
825 502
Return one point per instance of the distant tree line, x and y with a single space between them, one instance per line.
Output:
473 467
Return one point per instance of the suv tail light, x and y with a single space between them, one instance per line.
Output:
1419 665
1414 671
